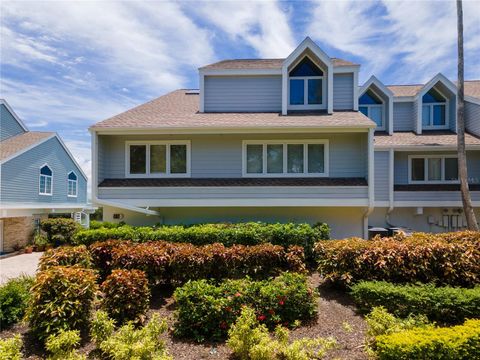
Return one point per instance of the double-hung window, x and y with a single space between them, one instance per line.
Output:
158 159
72 184
307 86
433 169
372 106
45 181
434 110
272 158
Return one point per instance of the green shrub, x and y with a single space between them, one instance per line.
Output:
14 297
249 339
11 349
459 342
144 343
62 298
343 262
40 241
66 256
206 311
61 346
101 327
126 295
440 304
94 224
60 230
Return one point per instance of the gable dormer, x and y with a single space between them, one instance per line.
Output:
436 106
10 123
376 102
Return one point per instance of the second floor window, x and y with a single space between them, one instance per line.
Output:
158 159
72 184
433 169
46 178
434 110
372 106
306 86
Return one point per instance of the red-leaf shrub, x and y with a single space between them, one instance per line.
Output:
424 259
66 256
101 252
126 295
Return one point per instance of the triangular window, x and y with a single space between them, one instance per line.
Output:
306 67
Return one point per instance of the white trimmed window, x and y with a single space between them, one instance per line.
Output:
45 181
434 110
433 169
372 106
273 158
157 159
72 184
306 86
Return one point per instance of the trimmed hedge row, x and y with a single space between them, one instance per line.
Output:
178 263
440 304
471 236
460 342
205 311
343 262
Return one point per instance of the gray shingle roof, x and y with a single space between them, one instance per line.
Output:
428 138
17 143
265 64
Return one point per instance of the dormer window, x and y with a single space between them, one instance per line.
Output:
307 86
372 106
434 110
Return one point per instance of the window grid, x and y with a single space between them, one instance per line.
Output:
45 181
426 174
369 115
72 184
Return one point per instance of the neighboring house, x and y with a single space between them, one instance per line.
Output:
39 176
292 139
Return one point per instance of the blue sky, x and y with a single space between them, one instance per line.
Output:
66 65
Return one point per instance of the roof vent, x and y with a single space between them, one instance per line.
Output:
192 92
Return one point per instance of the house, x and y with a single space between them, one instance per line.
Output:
293 139
39 176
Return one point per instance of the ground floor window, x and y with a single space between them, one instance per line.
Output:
433 169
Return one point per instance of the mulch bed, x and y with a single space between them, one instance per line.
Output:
336 318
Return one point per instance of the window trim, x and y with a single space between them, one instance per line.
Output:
76 184
147 174
382 105
426 181
39 180
431 105
305 144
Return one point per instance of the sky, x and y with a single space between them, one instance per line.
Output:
66 65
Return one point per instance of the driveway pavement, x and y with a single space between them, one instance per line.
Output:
17 265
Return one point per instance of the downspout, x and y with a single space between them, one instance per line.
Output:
390 186
371 181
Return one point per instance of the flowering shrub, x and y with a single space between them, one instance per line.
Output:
60 230
14 297
441 262
62 298
205 310
126 295
66 256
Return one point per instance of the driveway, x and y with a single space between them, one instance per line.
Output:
17 265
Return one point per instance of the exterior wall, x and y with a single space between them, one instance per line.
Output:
343 91
8 125
243 93
404 116
381 175
20 176
17 232
220 156
433 196
452 103
472 118
344 222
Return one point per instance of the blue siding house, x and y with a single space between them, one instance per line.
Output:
294 139
38 176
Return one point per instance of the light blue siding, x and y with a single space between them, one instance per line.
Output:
382 185
20 176
472 118
243 93
440 196
343 91
452 103
403 116
9 126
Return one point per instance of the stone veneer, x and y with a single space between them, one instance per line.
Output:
17 232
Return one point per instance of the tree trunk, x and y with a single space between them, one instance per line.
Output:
462 156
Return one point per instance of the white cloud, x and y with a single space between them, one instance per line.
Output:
82 154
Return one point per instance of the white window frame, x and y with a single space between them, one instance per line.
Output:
306 105
46 176
431 105
368 106
147 174
305 144
73 181
426 181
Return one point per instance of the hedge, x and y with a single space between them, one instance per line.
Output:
206 311
177 263
460 342
343 262
440 304
457 236
60 230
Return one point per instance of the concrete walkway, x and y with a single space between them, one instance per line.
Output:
17 265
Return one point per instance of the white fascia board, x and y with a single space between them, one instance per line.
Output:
437 78
233 188
377 83
127 206
472 100
71 156
27 149
15 116
346 69
240 72
20 205
424 148
433 204
403 98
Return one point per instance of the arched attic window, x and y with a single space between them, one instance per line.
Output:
306 86
434 110
371 105
72 184
45 181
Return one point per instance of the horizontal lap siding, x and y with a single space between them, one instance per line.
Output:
243 93
20 175
343 91
381 175
8 125
472 118
403 116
